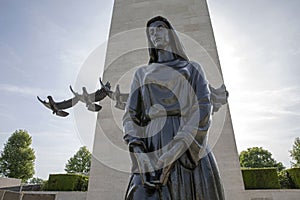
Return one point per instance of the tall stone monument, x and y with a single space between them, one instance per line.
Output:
127 49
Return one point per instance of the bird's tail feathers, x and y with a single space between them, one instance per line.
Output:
94 107
62 113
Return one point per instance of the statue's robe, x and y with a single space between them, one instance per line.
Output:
170 103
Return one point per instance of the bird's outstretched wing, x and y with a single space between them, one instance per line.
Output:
120 98
47 104
218 97
89 99
74 93
93 97
102 92
98 95
67 103
124 97
57 107
120 105
107 86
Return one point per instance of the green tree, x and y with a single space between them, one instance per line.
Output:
80 162
285 180
257 157
35 180
17 158
295 153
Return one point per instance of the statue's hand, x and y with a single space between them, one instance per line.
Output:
145 166
166 167
146 169
167 160
160 163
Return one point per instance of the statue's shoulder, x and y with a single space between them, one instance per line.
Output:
197 69
194 64
141 70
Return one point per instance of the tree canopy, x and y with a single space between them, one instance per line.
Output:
257 157
80 162
295 153
35 180
17 158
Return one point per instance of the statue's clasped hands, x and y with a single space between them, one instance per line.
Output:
149 165
166 162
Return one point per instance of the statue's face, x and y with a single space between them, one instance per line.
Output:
159 34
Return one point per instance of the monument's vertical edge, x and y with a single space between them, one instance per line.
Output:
192 18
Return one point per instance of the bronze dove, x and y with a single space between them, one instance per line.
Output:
120 98
57 107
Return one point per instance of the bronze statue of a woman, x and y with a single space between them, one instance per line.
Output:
166 121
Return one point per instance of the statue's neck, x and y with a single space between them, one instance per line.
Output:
165 55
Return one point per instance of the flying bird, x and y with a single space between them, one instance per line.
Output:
102 92
218 97
58 107
120 98
86 98
90 99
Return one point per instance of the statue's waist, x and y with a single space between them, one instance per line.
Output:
158 111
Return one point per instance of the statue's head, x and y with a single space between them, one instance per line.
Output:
161 34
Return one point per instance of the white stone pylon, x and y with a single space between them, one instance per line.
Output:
127 49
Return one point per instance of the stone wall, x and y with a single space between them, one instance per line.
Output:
272 194
292 194
9 195
9 182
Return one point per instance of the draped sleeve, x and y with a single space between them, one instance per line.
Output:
133 117
196 121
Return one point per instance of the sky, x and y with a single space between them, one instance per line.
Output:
44 44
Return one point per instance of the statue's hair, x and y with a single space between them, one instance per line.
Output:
176 46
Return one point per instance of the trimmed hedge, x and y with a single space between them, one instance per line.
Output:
260 178
285 180
294 175
67 182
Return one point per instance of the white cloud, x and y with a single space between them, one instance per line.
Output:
265 118
20 89
264 105
8 55
53 149
30 91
